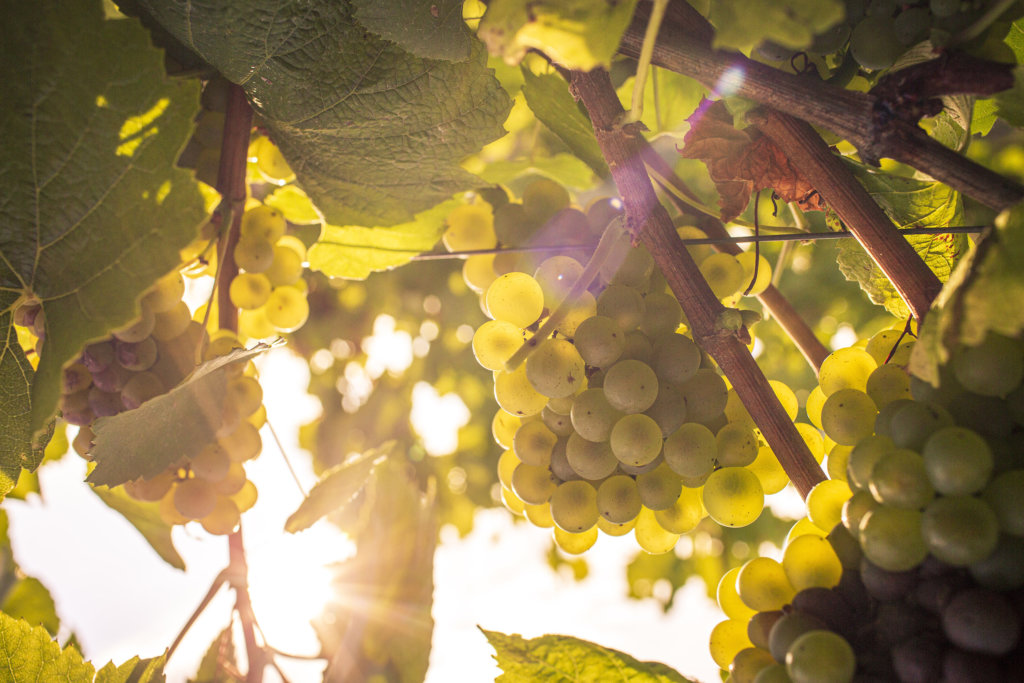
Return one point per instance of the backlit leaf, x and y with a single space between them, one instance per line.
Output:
742 24
432 29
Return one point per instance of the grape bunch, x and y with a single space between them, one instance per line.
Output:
922 576
618 421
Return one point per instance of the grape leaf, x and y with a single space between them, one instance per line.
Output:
294 205
18 448
566 659
94 210
146 441
221 651
578 34
337 487
982 294
28 655
565 169
135 670
353 252
29 599
743 24
145 517
669 99
741 162
432 29
373 133
909 203
550 101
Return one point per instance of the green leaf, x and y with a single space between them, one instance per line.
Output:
983 294
566 169
28 599
1015 39
564 658
354 252
578 34
146 518
1010 103
94 210
146 441
135 670
432 29
29 655
550 101
294 204
18 448
669 100
909 203
373 133
221 651
337 487
743 24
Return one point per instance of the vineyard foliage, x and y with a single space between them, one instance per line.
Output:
345 172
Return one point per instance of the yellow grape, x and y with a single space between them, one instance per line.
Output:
504 427
494 342
573 506
847 368
769 471
165 293
150 490
223 519
287 308
810 562
194 498
575 543
270 162
763 586
651 536
515 297
613 529
723 273
254 324
729 599
812 437
243 443
764 272
470 227
533 484
478 272
727 639
803 527
815 401
212 463
254 254
685 514
167 510
286 268
245 394
539 515
245 497
249 290
733 496
825 503
516 395
232 482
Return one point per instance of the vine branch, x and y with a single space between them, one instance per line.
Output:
622 147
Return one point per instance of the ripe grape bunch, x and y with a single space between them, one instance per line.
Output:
617 421
921 577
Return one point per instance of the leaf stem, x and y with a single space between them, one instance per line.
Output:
643 66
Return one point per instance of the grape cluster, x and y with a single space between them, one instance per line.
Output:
617 422
923 572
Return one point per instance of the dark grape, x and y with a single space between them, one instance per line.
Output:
787 629
885 585
919 659
980 620
827 605
759 628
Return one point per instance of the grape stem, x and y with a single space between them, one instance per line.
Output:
865 119
590 271
218 581
647 220
643 65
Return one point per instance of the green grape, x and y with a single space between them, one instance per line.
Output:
556 276
662 314
263 223
810 561
478 272
285 268
749 662
836 461
812 437
636 440
733 496
165 292
854 509
539 515
960 530
613 529
660 488
675 358
668 409
172 323
995 367
584 307
775 673
270 163
532 483
891 538
512 225
888 383
618 499
874 42
470 227
254 324
562 405
650 536
899 479
494 342
254 254
600 341
786 397
769 471
1002 570
705 394
685 513
250 290
815 402
825 503
691 451
593 460
912 25
847 368
846 547
635 268
516 298
881 345
724 274
762 585
764 272
729 600
592 416
848 416
555 368
802 527
637 347
944 8
504 427
821 656
735 444
728 638
194 498
575 543
543 198
244 443
515 394
831 40
863 458
223 519
1005 493
560 466
736 412
287 308
624 305
574 506
630 386
533 443
760 625
913 423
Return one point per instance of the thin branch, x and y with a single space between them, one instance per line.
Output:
622 147
218 581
